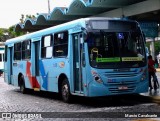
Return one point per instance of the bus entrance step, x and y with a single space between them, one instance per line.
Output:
36 89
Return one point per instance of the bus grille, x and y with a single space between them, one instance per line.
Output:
115 90
120 75
122 82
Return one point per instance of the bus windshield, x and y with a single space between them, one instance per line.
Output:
116 49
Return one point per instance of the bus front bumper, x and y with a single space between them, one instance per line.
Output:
96 89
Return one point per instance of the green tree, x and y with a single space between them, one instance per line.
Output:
3 35
1 32
14 33
9 33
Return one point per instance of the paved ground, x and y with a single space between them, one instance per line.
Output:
153 94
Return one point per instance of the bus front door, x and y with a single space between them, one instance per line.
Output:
77 68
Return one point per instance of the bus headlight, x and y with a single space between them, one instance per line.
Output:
96 77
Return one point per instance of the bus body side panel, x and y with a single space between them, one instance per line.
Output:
47 77
50 71
26 71
18 67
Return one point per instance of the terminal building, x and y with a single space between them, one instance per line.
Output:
146 12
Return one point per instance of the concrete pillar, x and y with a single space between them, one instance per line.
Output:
152 48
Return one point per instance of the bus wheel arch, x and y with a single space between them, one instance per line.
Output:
21 83
64 88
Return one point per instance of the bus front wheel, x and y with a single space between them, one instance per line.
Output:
22 85
65 91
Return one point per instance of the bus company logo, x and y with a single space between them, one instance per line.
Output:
61 64
6 116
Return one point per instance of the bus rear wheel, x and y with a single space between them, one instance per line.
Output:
22 85
65 91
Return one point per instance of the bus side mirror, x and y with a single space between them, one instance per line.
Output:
81 39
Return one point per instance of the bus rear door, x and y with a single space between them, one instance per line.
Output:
10 64
35 64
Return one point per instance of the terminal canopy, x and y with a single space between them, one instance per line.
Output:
84 8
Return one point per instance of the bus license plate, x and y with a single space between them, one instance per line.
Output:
122 88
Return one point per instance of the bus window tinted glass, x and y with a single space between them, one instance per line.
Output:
60 44
26 49
46 47
17 51
110 48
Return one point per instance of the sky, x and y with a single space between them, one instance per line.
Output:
11 10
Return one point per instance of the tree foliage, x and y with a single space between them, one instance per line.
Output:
9 33
14 33
3 34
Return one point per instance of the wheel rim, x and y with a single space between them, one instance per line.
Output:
65 92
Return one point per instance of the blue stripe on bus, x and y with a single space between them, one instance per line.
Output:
44 75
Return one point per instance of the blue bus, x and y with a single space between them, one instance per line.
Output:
86 57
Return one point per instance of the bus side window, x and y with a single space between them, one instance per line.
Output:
61 44
17 51
46 46
26 49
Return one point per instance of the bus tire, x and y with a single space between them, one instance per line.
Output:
22 85
65 91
